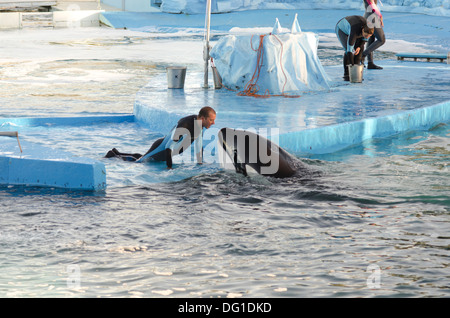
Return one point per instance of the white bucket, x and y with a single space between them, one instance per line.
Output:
356 73
176 76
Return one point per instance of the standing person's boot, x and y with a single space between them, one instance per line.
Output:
373 66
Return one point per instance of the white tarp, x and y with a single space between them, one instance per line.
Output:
290 64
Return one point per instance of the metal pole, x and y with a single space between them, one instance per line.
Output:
9 133
206 47
12 134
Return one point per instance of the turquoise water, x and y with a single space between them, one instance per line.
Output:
205 232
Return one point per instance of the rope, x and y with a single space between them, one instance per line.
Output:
251 88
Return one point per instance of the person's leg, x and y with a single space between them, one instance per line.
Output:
114 153
369 43
377 40
158 155
342 37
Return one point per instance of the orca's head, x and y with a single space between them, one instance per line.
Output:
249 152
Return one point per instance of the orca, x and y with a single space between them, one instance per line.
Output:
247 149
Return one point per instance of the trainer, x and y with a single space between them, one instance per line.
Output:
188 130
352 32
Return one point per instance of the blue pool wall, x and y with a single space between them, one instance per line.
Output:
340 136
38 165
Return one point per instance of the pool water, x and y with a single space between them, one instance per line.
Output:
72 86
221 234
201 231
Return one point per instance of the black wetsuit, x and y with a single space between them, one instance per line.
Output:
187 131
349 32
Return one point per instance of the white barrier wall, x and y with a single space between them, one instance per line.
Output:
73 19
10 20
61 19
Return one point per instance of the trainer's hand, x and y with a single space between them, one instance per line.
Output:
357 51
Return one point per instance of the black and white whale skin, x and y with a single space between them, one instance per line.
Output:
247 149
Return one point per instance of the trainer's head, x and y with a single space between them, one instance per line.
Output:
207 115
367 31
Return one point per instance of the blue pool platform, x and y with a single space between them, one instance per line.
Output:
37 165
48 167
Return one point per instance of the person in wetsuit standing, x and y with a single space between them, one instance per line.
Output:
188 130
352 32
374 18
